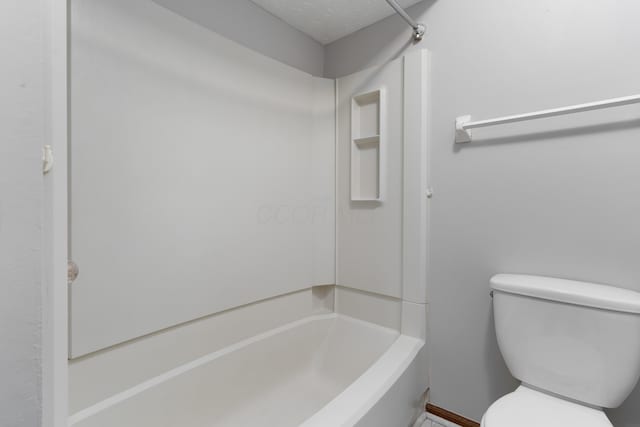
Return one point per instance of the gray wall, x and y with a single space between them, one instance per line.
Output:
558 197
21 138
248 24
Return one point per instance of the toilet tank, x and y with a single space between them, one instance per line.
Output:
575 339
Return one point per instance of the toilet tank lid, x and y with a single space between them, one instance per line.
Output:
568 291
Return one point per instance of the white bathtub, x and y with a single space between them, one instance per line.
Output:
321 371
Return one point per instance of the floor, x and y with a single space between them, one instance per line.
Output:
433 421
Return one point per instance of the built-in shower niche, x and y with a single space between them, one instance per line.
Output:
366 119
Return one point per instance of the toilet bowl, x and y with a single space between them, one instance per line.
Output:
574 346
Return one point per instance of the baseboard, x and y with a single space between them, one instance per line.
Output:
450 416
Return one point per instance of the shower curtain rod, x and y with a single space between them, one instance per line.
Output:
418 29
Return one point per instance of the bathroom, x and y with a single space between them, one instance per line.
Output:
275 219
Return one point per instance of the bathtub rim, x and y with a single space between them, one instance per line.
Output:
355 401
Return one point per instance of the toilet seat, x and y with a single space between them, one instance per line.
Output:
526 407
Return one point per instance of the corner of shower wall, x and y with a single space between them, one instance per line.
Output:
381 263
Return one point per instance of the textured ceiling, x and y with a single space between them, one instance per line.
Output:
329 20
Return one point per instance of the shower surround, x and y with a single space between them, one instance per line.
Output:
248 267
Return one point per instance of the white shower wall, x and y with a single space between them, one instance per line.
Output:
369 233
202 174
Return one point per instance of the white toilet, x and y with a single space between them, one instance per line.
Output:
574 346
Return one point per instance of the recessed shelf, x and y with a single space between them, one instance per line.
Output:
365 120
365 164
366 149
